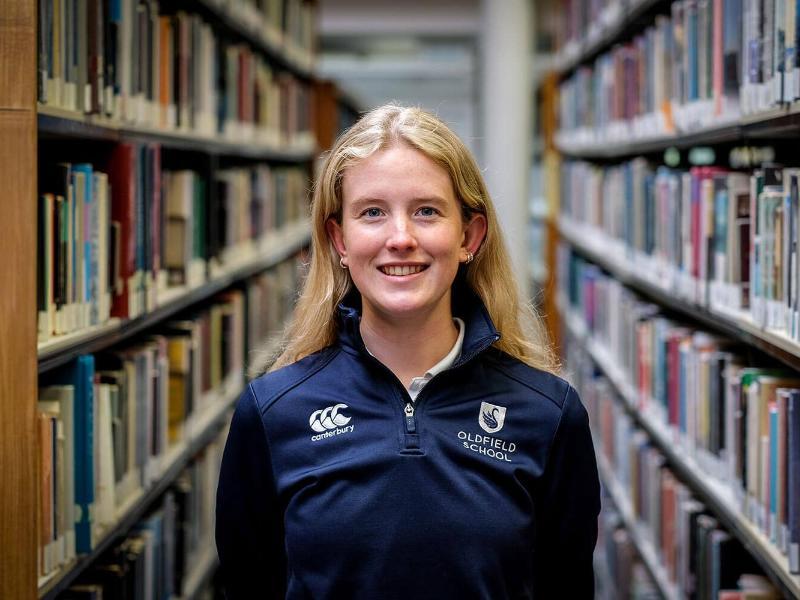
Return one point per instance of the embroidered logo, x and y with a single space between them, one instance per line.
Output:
491 417
328 418
329 422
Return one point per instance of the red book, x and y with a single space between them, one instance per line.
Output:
668 489
122 175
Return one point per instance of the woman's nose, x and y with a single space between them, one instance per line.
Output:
401 236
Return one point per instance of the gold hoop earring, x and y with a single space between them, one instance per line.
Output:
470 257
341 262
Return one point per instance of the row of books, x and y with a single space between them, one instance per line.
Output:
739 421
621 572
271 297
574 24
160 556
705 64
108 422
115 238
112 423
135 62
287 24
698 556
723 239
254 201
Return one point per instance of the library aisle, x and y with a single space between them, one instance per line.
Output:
670 184
157 156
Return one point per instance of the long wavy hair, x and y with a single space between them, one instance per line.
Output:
314 324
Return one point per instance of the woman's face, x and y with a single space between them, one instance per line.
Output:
402 234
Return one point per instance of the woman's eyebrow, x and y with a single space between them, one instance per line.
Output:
365 201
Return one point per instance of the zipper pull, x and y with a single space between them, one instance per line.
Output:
411 425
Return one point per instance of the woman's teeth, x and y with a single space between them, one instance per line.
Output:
405 270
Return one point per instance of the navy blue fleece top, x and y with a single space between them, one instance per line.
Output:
334 485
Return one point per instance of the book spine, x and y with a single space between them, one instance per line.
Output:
793 483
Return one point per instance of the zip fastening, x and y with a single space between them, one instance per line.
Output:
409 410
411 422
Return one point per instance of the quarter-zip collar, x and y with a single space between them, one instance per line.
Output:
479 335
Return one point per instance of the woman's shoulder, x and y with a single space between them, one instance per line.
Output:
272 385
544 383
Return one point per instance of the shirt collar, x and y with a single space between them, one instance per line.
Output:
449 359
454 353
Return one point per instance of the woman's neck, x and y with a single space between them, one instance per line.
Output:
409 349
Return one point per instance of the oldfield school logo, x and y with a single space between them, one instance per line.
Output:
329 422
491 417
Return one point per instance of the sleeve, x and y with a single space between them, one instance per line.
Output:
567 507
249 531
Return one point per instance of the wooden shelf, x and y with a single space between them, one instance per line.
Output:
639 535
740 328
214 418
57 352
59 123
714 493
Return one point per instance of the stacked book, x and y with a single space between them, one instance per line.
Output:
739 421
699 65
142 63
116 238
112 423
164 554
722 239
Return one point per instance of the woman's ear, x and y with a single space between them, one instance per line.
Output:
336 235
474 234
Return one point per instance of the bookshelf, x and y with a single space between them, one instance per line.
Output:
715 495
34 132
335 111
640 540
641 85
177 460
65 348
57 123
615 20
18 272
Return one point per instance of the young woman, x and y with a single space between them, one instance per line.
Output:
412 440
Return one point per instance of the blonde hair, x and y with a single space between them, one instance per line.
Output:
314 325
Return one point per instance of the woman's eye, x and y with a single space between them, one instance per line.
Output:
427 211
372 212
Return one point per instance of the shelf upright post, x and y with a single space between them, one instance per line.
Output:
506 99
18 446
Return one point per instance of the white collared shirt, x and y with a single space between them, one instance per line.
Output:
419 382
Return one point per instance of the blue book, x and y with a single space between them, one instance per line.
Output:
152 530
793 482
720 229
88 225
80 374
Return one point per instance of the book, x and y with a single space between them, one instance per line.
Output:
793 483
80 375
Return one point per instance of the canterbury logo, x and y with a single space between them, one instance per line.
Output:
328 418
